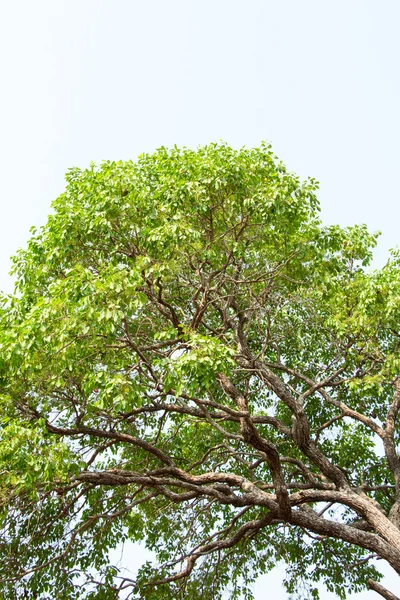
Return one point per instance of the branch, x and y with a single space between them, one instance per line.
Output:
251 436
308 519
226 412
112 435
301 430
360 503
248 528
172 477
377 587
388 438
349 412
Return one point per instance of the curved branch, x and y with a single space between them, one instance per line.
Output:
246 529
308 519
252 437
112 435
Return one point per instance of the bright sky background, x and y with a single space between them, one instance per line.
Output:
87 80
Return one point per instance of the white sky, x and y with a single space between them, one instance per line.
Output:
87 80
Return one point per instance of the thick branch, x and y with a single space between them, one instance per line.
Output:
360 503
310 521
377 587
252 437
207 484
388 439
301 430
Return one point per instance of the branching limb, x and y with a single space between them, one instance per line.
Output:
301 428
349 412
245 530
251 436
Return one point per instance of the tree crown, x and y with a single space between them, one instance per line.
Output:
192 360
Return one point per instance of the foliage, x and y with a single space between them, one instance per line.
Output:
193 361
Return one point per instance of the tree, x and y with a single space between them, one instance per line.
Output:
193 361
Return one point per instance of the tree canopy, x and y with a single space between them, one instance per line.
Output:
192 361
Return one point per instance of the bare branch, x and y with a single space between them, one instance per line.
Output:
381 590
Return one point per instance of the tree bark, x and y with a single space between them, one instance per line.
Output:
380 589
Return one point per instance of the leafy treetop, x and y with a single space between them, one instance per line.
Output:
193 361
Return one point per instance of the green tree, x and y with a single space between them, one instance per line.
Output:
191 360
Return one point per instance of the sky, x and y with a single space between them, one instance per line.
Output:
89 80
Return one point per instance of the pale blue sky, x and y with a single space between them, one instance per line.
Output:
87 80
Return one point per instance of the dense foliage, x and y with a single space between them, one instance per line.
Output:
192 361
